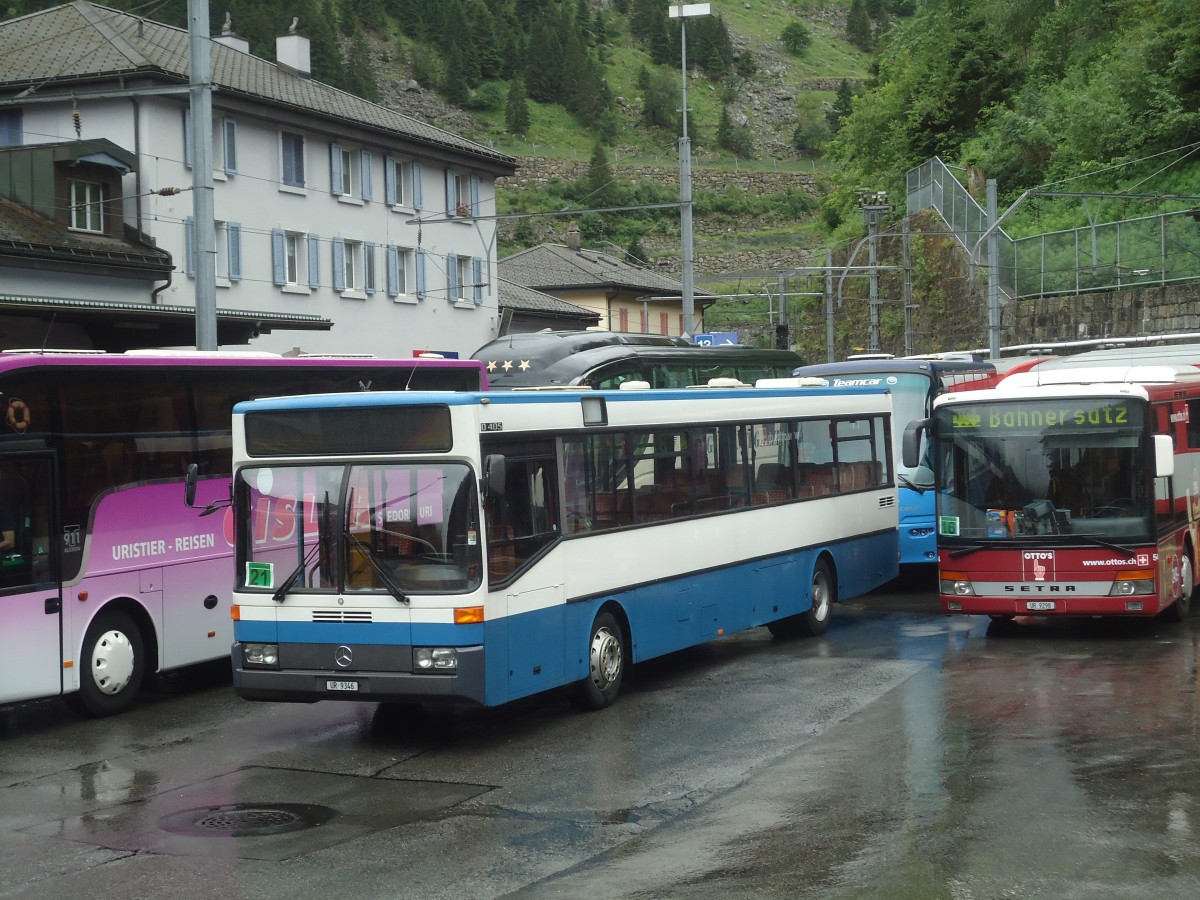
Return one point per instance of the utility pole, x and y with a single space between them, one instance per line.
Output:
203 215
993 286
829 305
783 338
908 304
873 207
683 12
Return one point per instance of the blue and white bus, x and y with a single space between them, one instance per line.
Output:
477 548
913 383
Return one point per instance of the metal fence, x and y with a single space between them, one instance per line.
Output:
1153 250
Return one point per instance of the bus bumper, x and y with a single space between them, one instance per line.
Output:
307 685
1007 607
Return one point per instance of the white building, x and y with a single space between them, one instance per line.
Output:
326 205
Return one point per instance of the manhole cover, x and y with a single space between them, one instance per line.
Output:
246 820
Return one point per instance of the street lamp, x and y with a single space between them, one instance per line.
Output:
683 12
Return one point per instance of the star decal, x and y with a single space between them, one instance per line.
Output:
524 367
491 365
507 365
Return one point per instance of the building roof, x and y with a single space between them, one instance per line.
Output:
558 267
28 237
117 327
519 298
82 41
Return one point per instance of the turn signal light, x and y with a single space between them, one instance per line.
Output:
468 615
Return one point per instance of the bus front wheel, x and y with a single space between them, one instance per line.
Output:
1179 610
112 659
606 665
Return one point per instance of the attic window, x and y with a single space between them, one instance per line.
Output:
87 206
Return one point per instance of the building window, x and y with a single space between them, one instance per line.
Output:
341 170
292 149
400 272
370 278
87 206
460 282
295 256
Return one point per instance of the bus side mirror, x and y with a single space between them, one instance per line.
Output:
1164 456
493 475
910 443
189 484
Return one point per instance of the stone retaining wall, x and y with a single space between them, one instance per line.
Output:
539 172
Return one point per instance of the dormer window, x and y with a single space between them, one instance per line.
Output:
87 206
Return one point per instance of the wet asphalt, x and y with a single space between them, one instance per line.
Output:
904 754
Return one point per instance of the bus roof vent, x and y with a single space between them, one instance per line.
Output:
635 386
721 383
1038 376
794 381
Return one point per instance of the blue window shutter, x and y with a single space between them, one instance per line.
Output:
417 201
278 257
369 267
229 135
314 261
365 166
393 270
12 132
474 195
389 180
335 169
339 264
234 232
451 194
189 240
477 277
187 137
421 274
452 276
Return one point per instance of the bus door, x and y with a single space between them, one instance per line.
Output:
30 592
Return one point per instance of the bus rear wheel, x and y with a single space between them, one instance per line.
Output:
606 665
114 659
815 622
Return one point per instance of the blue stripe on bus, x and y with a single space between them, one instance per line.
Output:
419 634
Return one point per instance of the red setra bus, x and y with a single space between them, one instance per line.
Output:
1068 491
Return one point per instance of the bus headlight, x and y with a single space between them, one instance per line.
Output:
957 583
441 658
1133 583
261 656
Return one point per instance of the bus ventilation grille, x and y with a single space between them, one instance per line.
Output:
341 615
885 502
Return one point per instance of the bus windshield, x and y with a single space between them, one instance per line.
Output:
393 528
1032 469
911 396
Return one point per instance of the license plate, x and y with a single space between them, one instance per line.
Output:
1039 605
341 685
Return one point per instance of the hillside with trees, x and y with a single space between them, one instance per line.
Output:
825 98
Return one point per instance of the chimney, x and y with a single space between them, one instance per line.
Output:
573 236
229 39
292 52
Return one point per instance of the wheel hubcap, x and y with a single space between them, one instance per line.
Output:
820 598
112 662
605 659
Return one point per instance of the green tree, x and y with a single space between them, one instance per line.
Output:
858 26
735 138
598 184
812 130
841 106
796 38
516 108
660 100
360 71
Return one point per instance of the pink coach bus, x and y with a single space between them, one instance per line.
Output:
106 576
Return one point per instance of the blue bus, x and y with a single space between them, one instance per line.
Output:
476 548
914 383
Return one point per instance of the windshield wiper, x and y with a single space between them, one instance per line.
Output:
966 551
1117 548
290 582
384 576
